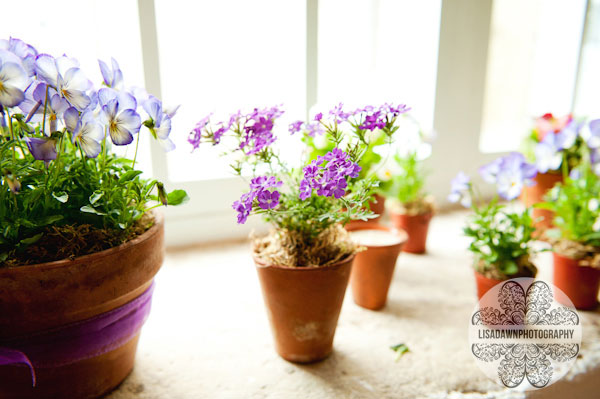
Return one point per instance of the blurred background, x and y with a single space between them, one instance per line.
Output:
475 72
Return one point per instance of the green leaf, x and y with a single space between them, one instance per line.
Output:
510 267
49 220
90 209
400 349
177 197
60 196
129 175
96 196
31 240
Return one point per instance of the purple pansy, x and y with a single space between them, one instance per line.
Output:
42 149
64 75
327 175
118 115
548 154
85 131
25 52
112 77
460 190
161 122
510 173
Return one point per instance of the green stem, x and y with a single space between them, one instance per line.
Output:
137 143
45 110
12 135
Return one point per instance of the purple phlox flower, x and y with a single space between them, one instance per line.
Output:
510 173
64 75
376 120
259 129
267 199
548 154
394 111
195 136
338 113
260 189
312 129
13 82
24 51
42 149
86 131
295 127
460 190
593 139
118 115
327 175
318 117
113 77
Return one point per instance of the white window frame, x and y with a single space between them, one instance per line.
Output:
460 90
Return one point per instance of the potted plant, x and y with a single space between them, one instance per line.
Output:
554 145
78 246
319 146
304 263
501 237
576 237
411 208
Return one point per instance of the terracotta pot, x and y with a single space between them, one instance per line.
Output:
303 305
35 298
416 226
374 268
579 283
535 194
484 284
377 205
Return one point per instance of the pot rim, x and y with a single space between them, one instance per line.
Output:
159 221
381 227
347 259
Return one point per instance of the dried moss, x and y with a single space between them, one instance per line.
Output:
71 241
291 249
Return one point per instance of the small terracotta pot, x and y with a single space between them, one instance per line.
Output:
535 194
484 284
374 268
377 205
303 305
579 283
36 298
416 226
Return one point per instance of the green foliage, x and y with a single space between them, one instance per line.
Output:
409 182
576 207
106 191
400 350
500 237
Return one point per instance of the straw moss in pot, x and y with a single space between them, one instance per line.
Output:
304 263
78 245
576 237
501 235
411 208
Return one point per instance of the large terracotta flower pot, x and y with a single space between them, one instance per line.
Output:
579 283
535 194
303 305
35 299
417 227
484 284
374 268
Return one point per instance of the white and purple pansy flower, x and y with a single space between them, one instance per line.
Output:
112 77
119 115
42 149
548 154
13 82
64 75
24 51
85 130
510 173
160 126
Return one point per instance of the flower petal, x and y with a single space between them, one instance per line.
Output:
71 118
12 74
163 131
153 107
105 95
130 120
77 98
74 79
120 136
11 96
45 68
64 63
106 75
166 144
90 147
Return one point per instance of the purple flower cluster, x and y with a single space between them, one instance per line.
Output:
258 128
548 152
311 129
510 173
260 189
368 117
195 136
327 175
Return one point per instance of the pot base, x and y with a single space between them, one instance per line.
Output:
579 283
87 379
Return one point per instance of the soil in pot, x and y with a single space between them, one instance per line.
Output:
374 267
487 279
580 283
303 305
535 194
38 298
